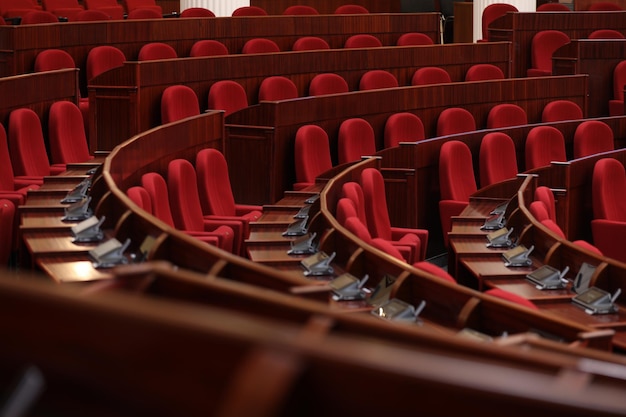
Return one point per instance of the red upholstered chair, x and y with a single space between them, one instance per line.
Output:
356 139
511 297
351 9
63 8
140 197
92 16
156 50
543 45
497 158
362 40
131 5
208 47
16 8
312 155
344 210
606 34
491 13
539 211
592 137
605 6
435 270
178 102
545 196
456 182
37 17
300 10
403 127
53 59
430 75
277 88
505 115
378 222
259 46
388 248
553 7
327 83
357 228
103 58
11 187
377 79
227 95
560 110
216 196
354 192
28 149
616 106
455 120
66 134
482 72
140 14
110 7
249 11
309 43
7 222
544 144
609 208
413 39
197 12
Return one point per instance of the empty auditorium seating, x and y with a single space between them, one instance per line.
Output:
362 40
377 79
592 137
277 88
131 5
300 10
110 7
616 105
259 46
606 34
414 38
604 6
544 144
249 11
553 7
11 187
17 8
354 192
481 72
387 247
545 196
139 14
178 102
435 270
103 58
197 12
53 59
430 75
455 120
66 134
156 50
491 13
512 297
403 127
543 45
63 8
227 95
309 43
506 114
344 210
559 110
351 9
91 16
327 83
356 139
208 47
312 155
38 16
497 158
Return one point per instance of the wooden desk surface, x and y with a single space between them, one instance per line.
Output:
528 290
484 268
74 268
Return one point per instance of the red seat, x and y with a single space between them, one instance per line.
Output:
414 38
356 139
357 228
497 158
430 75
139 14
388 248
208 47
609 208
140 197
545 196
7 227
37 17
197 12
606 34
592 137
616 105
103 58
110 7
156 50
63 8
178 102
553 7
455 120
491 13
249 11
353 191
17 8
377 79
403 127
560 110
344 210
259 46
131 5
277 88
312 155
66 134
544 144
300 10
11 187
605 6
351 9
539 211
362 40
309 43
227 95
435 270
505 115
327 83
482 72
512 297
53 59
92 16
543 45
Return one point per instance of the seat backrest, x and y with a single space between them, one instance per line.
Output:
51 5
28 149
414 38
434 270
110 7
277 88
53 59
604 6
505 115
309 43
156 50
455 120
482 72
7 178
492 12
300 10
497 158
544 144
345 209
609 190
103 58
376 79
356 139
545 195
38 16
559 110
197 12
139 14
216 196
543 45
249 11
208 47
227 95
553 7
357 228
619 80
327 83
183 196
131 5
387 247
156 187
456 172
14 8
538 211
140 196
178 102
512 297
403 127
362 40
606 34
260 46
592 137
430 75
312 153
351 9
375 202
354 192
66 134
92 16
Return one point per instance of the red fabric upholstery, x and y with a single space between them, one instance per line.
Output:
606 34
544 144
38 16
277 88
414 38
345 209
178 102
554 228
604 6
505 115
92 16
357 228
514 298
434 270
542 46
312 155
227 95
616 106
491 13
351 9
156 50
142 13
309 43
482 72
7 222
403 127
131 5
53 59
376 79
539 211
12 188
208 47
386 247
259 46
553 7
249 11
63 8
66 134
16 8
559 110
300 10
546 196
362 40
498 161
356 139
110 7
430 75
140 197
592 137
609 208
327 83
455 120
354 192
103 58
197 12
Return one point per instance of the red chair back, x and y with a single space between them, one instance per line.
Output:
156 187
249 11
312 154
544 144
414 38
178 102
455 120
156 50
66 134
103 58
215 192
140 197
609 190
227 95
26 142
309 43
327 83
377 79
403 127
592 137
456 172
362 40
197 12
506 114
351 9
482 72
354 192
543 45
430 75
259 46
277 88
53 59
300 10
497 158
559 110
356 139
208 47
492 12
